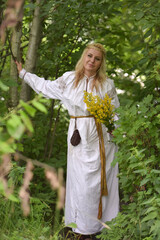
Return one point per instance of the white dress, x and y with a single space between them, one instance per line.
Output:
83 161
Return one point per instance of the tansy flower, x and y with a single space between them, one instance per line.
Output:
101 109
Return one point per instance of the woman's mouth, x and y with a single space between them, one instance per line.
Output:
91 65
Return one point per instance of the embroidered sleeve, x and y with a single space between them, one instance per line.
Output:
61 84
49 89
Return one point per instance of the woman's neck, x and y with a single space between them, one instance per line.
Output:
89 74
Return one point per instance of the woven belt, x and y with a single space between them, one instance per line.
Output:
104 190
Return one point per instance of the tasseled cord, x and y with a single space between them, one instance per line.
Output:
104 190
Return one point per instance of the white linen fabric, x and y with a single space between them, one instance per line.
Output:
83 161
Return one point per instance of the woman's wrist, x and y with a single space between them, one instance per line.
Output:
22 73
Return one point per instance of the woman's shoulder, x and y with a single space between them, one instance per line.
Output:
108 84
69 75
66 80
108 87
110 81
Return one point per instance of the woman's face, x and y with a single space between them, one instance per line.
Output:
92 61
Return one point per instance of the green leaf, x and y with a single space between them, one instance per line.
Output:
155 227
72 225
20 147
155 171
140 171
147 100
39 106
144 181
149 201
148 33
26 121
158 144
139 15
15 120
3 86
15 131
31 6
143 60
28 108
147 24
150 216
5 147
150 209
15 127
1 187
13 198
10 197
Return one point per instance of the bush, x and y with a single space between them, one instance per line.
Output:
138 137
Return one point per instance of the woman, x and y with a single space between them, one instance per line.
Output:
85 201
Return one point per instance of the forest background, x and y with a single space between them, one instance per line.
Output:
49 37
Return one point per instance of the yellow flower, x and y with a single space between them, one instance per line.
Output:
102 109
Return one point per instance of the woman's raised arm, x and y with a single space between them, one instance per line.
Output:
49 89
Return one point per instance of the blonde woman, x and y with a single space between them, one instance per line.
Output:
91 189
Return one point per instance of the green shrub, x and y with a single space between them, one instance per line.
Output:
138 137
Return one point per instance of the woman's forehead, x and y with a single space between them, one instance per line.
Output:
94 52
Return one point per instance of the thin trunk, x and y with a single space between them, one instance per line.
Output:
53 133
31 57
4 52
15 44
49 131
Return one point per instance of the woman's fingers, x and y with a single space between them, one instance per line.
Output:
19 66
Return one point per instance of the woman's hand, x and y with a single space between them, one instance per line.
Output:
111 133
19 66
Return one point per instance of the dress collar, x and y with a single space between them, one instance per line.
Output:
89 78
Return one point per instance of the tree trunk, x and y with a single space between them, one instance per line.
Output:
31 57
15 44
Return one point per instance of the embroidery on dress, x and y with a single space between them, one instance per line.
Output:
62 84
111 93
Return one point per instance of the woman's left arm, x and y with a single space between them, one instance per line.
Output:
112 93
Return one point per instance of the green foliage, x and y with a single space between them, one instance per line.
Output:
14 226
138 156
129 31
67 28
121 229
17 127
15 123
35 146
13 126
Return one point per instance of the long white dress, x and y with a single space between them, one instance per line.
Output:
83 161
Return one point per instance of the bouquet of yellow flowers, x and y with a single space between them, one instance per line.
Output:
101 109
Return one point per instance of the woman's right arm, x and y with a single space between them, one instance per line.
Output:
49 89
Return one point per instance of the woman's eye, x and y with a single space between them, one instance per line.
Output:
89 55
98 59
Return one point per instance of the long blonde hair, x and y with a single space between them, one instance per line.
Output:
101 73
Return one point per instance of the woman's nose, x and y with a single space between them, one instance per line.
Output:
92 60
